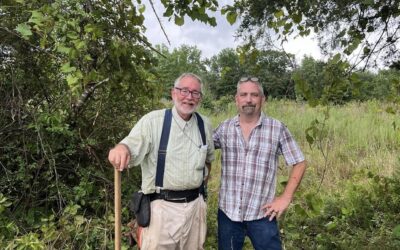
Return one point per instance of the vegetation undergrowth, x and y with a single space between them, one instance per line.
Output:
348 199
354 204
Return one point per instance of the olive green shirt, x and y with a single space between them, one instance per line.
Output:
185 159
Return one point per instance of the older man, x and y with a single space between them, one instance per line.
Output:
178 210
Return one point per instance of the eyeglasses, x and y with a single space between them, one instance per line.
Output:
246 79
186 92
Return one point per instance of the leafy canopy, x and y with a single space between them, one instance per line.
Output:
369 30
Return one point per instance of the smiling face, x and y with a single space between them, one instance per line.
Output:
249 99
186 105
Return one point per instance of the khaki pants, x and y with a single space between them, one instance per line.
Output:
176 226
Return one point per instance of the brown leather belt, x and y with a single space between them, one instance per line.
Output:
176 196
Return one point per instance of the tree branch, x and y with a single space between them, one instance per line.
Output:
159 21
86 94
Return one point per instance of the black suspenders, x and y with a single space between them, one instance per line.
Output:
162 150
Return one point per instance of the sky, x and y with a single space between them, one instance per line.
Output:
210 40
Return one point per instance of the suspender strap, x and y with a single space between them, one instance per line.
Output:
162 150
200 124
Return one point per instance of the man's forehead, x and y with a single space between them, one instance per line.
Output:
189 80
242 91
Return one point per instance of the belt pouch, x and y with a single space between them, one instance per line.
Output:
140 206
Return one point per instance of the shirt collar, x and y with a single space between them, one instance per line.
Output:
182 123
259 123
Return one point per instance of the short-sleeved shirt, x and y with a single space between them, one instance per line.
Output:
248 177
186 156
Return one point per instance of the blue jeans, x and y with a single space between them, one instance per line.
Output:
264 234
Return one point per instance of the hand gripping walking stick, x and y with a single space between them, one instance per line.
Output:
117 208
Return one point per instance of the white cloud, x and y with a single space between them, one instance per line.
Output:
303 46
210 40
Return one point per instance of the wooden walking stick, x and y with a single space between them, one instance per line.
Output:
117 208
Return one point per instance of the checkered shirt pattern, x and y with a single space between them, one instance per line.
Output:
248 177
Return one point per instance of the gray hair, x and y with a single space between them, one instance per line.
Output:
254 80
178 80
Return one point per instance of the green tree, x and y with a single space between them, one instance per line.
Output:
224 72
311 71
274 68
172 64
325 83
74 77
368 28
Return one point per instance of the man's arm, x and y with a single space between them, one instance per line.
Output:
208 171
296 175
281 203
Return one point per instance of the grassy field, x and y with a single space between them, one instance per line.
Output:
351 172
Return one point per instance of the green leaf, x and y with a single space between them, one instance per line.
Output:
231 17
169 11
79 220
141 8
315 203
79 44
288 26
66 68
72 80
299 211
353 45
224 10
396 232
89 27
36 18
370 28
24 30
271 24
390 110
331 225
342 33
179 20
297 18
336 58
212 21
309 139
278 14
64 50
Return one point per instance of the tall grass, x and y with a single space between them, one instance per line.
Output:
361 140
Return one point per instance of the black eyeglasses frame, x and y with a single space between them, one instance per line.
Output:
185 92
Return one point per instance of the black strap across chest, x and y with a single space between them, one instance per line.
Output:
162 150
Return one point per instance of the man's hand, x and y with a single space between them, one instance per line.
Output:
119 156
277 207
281 203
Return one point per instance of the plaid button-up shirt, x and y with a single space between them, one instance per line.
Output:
248 179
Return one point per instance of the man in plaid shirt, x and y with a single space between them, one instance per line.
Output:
250 144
